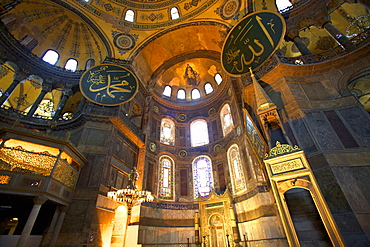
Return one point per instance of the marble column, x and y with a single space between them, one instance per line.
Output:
18 78
44 91
62 103
301 46
82 104
54 237
336 34
293 35
38 201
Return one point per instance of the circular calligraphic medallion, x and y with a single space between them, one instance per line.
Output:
183 153
152 147
211 111
181 117
124 41
252 41
108 84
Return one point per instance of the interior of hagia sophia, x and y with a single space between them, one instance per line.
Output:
131 123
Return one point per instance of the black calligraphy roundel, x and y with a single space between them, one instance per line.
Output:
108 84
252 41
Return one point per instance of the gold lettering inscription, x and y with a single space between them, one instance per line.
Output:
286 166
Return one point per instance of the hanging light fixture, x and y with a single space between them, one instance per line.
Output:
131 195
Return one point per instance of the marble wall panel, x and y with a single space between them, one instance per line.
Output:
322 131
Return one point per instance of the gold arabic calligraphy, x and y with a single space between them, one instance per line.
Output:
238 57
105 85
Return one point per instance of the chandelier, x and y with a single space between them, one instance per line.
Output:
131 195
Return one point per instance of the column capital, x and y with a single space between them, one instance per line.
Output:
67 92
39 200
291 34
20 76
321 20
46 87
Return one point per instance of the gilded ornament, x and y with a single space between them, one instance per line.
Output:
280 149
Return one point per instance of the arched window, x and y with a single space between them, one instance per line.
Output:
199 133
71 64
208 88
174 13
202 176
166 178
89 63
236 169
195 94
181 94
130 14
51 57
283 5
226 119
167 91
167 131
218 78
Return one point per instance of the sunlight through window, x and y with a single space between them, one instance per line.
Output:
195 94
181 94
167 91
199 133
51 57
71 64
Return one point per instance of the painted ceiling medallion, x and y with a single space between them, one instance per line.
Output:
230 9
124 41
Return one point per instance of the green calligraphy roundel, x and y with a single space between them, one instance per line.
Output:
108 84
252 41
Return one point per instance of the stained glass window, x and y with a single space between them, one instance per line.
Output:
167 131
130 14
202 176
51 57
167 91
208 88
165 185
226 119
236 169
199 133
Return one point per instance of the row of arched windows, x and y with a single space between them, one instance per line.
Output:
130 14
52 57
203 182
195 93
198 128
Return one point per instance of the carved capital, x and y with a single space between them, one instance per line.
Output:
47 87
39 200
321 20
19 76
291 34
